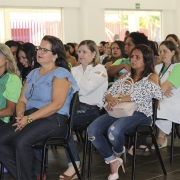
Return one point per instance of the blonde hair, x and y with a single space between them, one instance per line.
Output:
93 48
5 52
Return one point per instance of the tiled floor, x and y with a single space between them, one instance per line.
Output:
147 168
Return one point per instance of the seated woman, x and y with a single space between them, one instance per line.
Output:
91 77
10 84
121 66
117 52
145 88
26 59
169 73
71 59
40 114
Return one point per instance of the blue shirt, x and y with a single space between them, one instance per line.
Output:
39 89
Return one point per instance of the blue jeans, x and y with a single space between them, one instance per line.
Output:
16 151
81 118
115 128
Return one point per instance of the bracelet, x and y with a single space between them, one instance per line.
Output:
29 120
119 99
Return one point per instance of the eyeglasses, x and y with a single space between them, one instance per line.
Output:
31 91
43 50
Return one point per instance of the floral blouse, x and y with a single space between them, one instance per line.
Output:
144 91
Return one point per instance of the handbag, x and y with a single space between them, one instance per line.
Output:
123 109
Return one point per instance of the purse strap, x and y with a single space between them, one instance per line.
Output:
124 81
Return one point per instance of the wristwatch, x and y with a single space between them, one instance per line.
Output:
29 120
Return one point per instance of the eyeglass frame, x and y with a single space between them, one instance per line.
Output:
43 50
31 91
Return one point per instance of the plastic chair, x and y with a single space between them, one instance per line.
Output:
146 129
60 141
175 131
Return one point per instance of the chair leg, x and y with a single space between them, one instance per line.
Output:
73 162
157 150
172 143
134 158
2 172
44 153
84 155
177 130
90 160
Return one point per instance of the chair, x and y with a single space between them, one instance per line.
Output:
134 134
80 130
146 129
59 141
175 131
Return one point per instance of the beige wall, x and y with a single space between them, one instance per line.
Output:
84 19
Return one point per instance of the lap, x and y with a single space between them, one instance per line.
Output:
38 130
129 123
85 115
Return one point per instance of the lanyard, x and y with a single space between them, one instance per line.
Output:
160 73
3 74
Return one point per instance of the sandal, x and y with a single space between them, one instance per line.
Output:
115 176
142 151
66 177
161 145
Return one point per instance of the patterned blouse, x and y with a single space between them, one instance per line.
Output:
144 91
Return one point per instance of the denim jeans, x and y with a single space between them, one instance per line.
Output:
81 118
16 152
115 128
2 122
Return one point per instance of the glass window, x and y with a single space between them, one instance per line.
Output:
118 22
30 25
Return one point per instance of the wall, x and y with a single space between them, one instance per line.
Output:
84 19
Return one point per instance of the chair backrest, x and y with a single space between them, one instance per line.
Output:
154 115
71 113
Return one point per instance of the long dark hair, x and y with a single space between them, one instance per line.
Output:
121 45
30 52
148 58
58 48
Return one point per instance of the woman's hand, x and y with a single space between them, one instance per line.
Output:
21 122
111 103
168 93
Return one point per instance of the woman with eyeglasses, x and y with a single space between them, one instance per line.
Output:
41 111
26 59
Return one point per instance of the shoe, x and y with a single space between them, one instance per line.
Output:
116 175
142 151
39 177
161 145
65 177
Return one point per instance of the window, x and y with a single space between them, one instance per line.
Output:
30 25
118 22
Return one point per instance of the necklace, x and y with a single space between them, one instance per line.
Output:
3 74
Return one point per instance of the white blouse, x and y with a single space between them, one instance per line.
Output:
92 85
